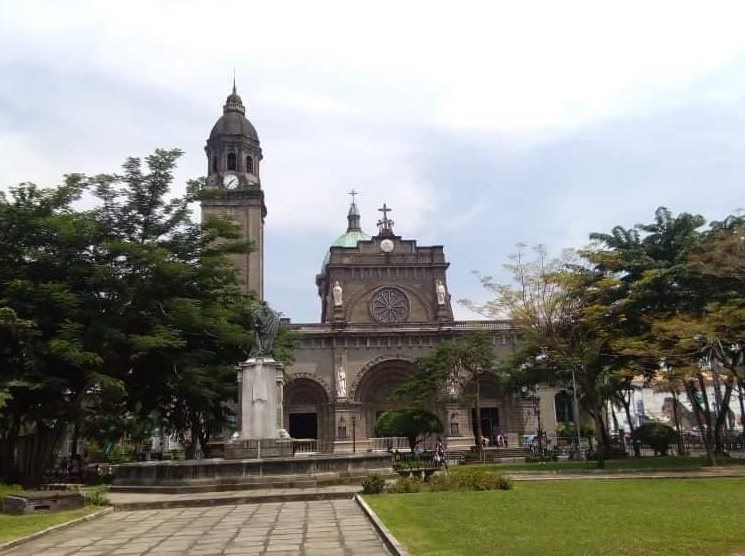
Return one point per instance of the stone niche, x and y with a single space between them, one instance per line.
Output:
42 501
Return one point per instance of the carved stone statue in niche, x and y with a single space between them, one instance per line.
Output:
337 292
441 292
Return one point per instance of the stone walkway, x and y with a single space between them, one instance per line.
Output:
317 528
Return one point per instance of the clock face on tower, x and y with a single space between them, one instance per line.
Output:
230 181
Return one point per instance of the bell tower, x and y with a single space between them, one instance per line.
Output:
234 183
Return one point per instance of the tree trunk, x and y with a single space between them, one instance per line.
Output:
721 419
477 423
707 411
627 409
676 419
599 426
700 420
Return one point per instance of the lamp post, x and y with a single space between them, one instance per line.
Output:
576 415
354 433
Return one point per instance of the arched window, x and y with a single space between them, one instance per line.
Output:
563 404
250 164
214 164
232 162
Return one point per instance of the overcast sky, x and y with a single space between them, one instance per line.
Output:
482 124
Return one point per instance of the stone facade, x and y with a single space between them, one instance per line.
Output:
384 302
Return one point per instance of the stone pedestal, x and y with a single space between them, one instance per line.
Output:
261 381
42 501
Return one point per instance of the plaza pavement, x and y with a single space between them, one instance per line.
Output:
304 528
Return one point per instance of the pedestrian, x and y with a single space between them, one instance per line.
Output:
440 454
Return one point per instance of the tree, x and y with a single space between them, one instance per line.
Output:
560 309
455 369
414 424
130 305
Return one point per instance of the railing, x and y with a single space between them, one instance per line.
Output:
305 446
388 443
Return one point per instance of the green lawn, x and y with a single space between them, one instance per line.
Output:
630 464
16 526
634 517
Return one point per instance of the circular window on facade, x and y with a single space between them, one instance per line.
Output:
389 306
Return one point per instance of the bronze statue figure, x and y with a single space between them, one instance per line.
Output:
265 323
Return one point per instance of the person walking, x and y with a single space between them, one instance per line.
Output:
440 454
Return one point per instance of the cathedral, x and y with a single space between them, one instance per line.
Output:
384 302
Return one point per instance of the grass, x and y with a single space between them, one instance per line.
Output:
630 517
17 526
630 464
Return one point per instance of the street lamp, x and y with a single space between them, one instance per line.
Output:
576 416
354 433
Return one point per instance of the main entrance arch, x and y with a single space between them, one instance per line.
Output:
374 386
306 408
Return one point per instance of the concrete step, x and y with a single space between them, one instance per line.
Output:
127 501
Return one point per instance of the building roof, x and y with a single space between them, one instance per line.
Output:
233 120
351 237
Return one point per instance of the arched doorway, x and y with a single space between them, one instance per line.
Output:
491 401
374 390
306 409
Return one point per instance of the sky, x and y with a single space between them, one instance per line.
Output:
481 124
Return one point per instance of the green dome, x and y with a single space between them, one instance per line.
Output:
350 238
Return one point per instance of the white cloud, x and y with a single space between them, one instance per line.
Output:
370 96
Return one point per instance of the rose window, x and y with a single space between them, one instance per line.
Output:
389 306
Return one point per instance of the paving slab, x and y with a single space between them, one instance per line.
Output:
262 529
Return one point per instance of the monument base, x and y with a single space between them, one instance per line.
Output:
208 475
259 449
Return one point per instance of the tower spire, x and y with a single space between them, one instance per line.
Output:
234 89
353 216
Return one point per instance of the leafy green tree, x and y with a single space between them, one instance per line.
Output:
182 320
414 424
131 305
454 370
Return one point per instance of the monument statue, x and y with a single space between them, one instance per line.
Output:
441 293
341 383
265 323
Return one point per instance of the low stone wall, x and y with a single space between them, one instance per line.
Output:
42 501
224 474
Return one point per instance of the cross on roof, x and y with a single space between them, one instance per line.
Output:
353 193
385 225
385 210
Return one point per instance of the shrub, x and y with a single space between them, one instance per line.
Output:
406 485
658 435
373 484
96 497
473 480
